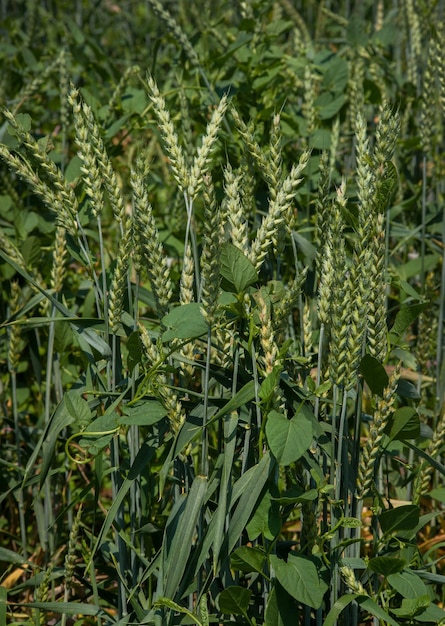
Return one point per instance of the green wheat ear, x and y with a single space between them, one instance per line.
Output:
119 281
210 257
370 452
435 447
178 162
41 174
99 175
234 209
279 209
149 251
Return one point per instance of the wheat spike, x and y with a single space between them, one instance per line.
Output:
377 427
149 246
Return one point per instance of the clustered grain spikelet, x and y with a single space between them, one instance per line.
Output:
212 239
278 209
234 209
267 339
370 452
14 331
44 178
150 253
177 32
435 447
351 581
119 281
70 557
167 395
186 296
97 167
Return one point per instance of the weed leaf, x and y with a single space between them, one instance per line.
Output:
300 578
289 438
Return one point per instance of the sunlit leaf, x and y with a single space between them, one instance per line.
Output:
237 270
300 578
405 517
234 600
289 438
184 322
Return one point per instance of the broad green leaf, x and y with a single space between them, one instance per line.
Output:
405 389
404 318
270 384
386 565
408 584
264 80
247 559
204 611
134 100
24 122
335 74
433 614
374 374
178 537
242 39
234 600
412 606
414 266
134 348
351 522
404 517
405 424
281 607
99 433
410 291
63 337
73 169
356 32
143 413
438 494
321 139
266 520
328 106
289 439
184 322
300 578
237 271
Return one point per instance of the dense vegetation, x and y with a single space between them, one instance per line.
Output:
222 294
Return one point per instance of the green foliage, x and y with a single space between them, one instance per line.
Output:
221 313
